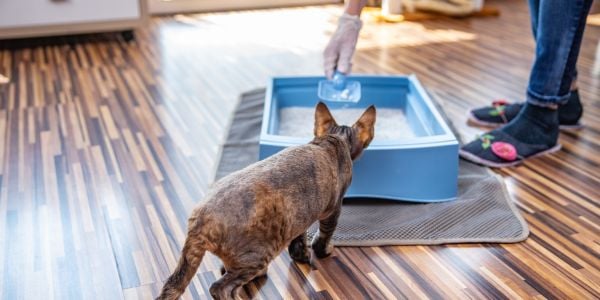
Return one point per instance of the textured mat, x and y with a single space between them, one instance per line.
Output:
482 213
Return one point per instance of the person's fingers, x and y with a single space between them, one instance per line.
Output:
345 68
344 63
330 65
330 48
329 73
330 57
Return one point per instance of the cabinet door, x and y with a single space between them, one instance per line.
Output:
26 13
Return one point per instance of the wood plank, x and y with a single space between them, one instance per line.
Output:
106 146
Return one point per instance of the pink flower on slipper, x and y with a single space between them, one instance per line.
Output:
499 102
504 150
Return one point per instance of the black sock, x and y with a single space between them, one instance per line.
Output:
535 125
570 112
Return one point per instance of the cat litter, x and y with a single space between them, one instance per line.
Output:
391 124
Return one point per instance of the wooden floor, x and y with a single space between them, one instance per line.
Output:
106 146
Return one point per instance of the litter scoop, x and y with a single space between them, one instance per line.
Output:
339 89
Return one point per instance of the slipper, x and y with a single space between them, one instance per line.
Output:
497 149
499 113
502 112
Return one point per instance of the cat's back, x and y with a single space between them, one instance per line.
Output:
294 169
298 162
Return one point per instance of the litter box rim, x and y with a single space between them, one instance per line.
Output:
446 138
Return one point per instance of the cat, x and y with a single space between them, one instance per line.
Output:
251 215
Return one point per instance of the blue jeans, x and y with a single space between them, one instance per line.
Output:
558 30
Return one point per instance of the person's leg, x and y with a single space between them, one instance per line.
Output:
534 10
570 113
559 33
558 39
502 111
534 131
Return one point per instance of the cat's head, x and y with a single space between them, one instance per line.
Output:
359 135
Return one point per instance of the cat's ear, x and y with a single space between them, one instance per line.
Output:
365 126
323 120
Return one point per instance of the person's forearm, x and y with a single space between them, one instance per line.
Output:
354 7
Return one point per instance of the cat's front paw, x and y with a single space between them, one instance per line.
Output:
299 252
321 247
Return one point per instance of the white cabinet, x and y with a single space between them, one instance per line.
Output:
26 18
177 6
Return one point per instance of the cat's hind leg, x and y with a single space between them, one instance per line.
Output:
238 292
321 243
228 286
298 249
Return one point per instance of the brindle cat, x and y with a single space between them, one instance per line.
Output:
251 215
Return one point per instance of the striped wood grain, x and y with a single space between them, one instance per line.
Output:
106 147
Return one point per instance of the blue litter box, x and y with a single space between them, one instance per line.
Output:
422 168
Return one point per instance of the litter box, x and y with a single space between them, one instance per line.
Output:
419 167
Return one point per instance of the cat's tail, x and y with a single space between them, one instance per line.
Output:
191 257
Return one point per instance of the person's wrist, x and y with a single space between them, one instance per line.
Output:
354 7
351 19
352 12
351 16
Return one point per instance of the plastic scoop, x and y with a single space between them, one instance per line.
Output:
339 89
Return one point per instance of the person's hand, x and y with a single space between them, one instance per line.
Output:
339 51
